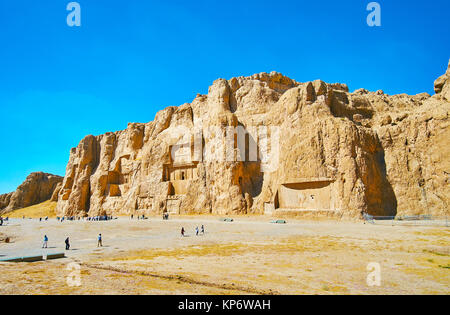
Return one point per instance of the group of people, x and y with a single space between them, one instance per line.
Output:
40 219
143 217
197 231
96 218
68 219
139 217
101 218
67 242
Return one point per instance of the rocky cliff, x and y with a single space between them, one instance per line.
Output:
269 144
37 188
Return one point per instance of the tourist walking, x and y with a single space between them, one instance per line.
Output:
99 243
182 231
203 229
67 244
196 231
45 244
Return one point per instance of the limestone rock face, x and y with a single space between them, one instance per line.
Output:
4 200
442 85
55 194
266 144
37 188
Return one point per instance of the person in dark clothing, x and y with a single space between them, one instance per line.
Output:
45 244
182 231
99 243
67 244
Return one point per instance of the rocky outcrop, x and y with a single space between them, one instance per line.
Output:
4 200
269 144
37 188
56 191
442 85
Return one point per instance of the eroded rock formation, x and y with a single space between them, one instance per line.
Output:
290 147
37 188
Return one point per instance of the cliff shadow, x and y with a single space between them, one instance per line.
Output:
388 199
253 179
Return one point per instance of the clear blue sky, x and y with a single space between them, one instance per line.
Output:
131 58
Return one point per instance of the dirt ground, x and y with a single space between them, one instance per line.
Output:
248 256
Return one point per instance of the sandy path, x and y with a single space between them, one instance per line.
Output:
248 256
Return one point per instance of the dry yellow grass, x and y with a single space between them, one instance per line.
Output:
42 210
293 265
287 245
254 257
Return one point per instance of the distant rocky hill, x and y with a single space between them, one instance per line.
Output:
319 150
37 188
